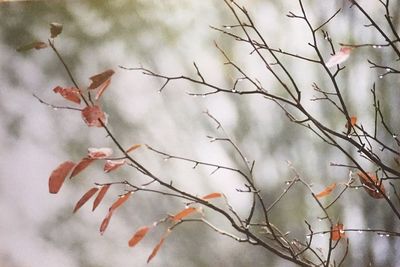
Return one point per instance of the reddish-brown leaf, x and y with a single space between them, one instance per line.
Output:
327 191
100 195
371 183
81 166
339 57
212 195
158 246
85 198
99 153
111 165
105 222
121 200
182 214
71 94
134 147
92 116
100 78
58 176
102 88
353 121
337 232
139 234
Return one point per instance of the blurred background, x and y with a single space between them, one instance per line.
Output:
39 229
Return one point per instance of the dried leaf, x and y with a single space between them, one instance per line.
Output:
100 78
71 94
371 183
327 191
212 195
113 164
339 57
121 200
81 166
158 246
58 176
105 222
92 116
182 214
102 88
353 121
34 45
55 29
134 147
139 234
85 198
100 195
99 153
337 232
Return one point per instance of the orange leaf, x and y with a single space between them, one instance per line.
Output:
337 232
212 195
140 233
81 166
102 88
92 116
85 198
371 183
100 78
327 191
105 222
134 147
353 121
121 200
71 94
113 164
99 153
58 176
182 214
100 195
158 246
339 57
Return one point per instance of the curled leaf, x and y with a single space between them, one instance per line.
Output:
71 94
337 232
212 195
34 45
134 147
83 164
182 214
113 164
100 195
371 183
99 153
327 191
138 236
55 29
85 198
92 115
339 57
100 78
58 176
102 88
158 246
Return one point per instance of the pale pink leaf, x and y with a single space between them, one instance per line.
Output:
99 153
339 57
